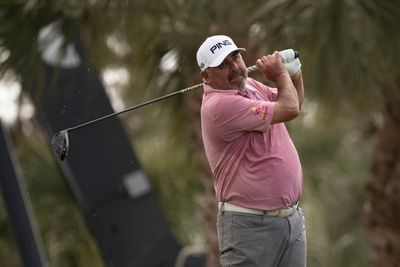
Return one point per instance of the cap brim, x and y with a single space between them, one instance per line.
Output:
222 57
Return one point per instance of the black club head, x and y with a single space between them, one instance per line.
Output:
60 144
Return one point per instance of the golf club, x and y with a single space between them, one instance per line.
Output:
60 141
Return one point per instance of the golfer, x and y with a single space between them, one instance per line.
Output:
256 169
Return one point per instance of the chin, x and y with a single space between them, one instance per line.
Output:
240 85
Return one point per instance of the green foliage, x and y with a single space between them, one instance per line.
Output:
336 162
348 48
171 165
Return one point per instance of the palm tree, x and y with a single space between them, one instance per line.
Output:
349 51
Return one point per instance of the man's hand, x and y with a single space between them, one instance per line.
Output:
271 66
287 55
291 62
293 66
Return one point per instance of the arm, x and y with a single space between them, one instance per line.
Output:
297 80
287 104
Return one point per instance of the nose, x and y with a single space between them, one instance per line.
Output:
231 63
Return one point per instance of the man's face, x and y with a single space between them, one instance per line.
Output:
230 74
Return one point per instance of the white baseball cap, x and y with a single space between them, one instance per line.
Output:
214 50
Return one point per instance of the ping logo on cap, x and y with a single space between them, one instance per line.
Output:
214 50
219 45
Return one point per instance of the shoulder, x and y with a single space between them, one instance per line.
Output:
266 90
258 85
220 100
224 106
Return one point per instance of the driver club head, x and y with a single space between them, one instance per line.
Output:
60 144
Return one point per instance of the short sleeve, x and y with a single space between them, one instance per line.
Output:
234 115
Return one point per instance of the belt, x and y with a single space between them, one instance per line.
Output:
283 212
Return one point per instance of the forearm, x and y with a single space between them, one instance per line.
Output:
287 104
297 80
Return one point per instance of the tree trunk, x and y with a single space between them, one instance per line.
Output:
382 207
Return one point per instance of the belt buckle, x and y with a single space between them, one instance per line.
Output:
284 212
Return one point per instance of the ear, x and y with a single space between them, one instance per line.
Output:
204 75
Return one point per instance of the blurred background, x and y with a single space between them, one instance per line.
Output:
347 135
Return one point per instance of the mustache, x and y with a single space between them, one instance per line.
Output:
236 73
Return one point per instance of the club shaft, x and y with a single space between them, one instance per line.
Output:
133 107
249 69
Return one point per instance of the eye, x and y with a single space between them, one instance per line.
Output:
236 57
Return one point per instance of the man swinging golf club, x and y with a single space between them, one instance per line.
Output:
60 141
256 169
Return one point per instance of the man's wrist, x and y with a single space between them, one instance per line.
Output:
296 75
293 66
282 75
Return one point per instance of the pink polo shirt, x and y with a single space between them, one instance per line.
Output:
255 163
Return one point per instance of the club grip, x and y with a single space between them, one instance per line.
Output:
295 55
288 55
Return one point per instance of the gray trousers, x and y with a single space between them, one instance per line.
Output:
261 241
